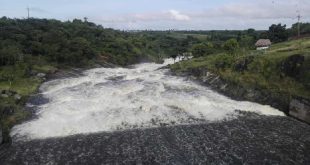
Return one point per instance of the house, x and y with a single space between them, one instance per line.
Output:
263 44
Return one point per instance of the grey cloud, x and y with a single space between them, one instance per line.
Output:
236 15
171 15
264 9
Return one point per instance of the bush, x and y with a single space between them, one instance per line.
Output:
231 46
202 49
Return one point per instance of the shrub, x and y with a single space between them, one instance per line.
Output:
231 46
202 49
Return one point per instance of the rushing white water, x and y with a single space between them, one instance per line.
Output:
109 99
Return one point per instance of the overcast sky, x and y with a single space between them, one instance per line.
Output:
165 14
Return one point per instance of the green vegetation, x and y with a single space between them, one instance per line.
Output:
274 70
30 48
79 43
304 29
281 70
231 46
277 33
202 49
18 85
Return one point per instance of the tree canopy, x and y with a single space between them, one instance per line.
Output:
231 46
202 49
277 33
77 42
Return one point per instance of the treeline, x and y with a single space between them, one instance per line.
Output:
233 42
80 43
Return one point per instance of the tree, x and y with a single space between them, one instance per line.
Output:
202 49
252 33
277 33
9 55
304 29
78 42
263 35
80 51
231 46
247 41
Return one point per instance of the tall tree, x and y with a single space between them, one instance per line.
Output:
277 33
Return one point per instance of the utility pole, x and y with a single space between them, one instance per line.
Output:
85 19
298 25
28 11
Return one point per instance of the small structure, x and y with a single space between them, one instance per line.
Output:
263 44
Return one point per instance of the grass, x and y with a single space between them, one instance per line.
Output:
23 86
15 78
44 68
264 72
21 82
21 78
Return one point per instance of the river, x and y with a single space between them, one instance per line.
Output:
145 115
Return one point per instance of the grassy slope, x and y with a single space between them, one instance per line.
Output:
263 72
12 110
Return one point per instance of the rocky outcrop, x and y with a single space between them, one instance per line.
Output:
242 64
6 111
296 108
300 108
60 74
41 75
1 137
10 93
291 66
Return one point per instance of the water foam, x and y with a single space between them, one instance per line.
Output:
109 99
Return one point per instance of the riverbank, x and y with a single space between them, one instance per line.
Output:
278 77
23 86
17 84
145 115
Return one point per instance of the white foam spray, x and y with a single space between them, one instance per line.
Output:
109 99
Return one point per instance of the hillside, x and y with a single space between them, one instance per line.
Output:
281 73
78 43
31 49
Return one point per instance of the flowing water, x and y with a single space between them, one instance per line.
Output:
110 99
145 115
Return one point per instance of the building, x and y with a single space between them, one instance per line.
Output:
263 44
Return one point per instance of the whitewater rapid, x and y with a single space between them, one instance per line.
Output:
113 99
